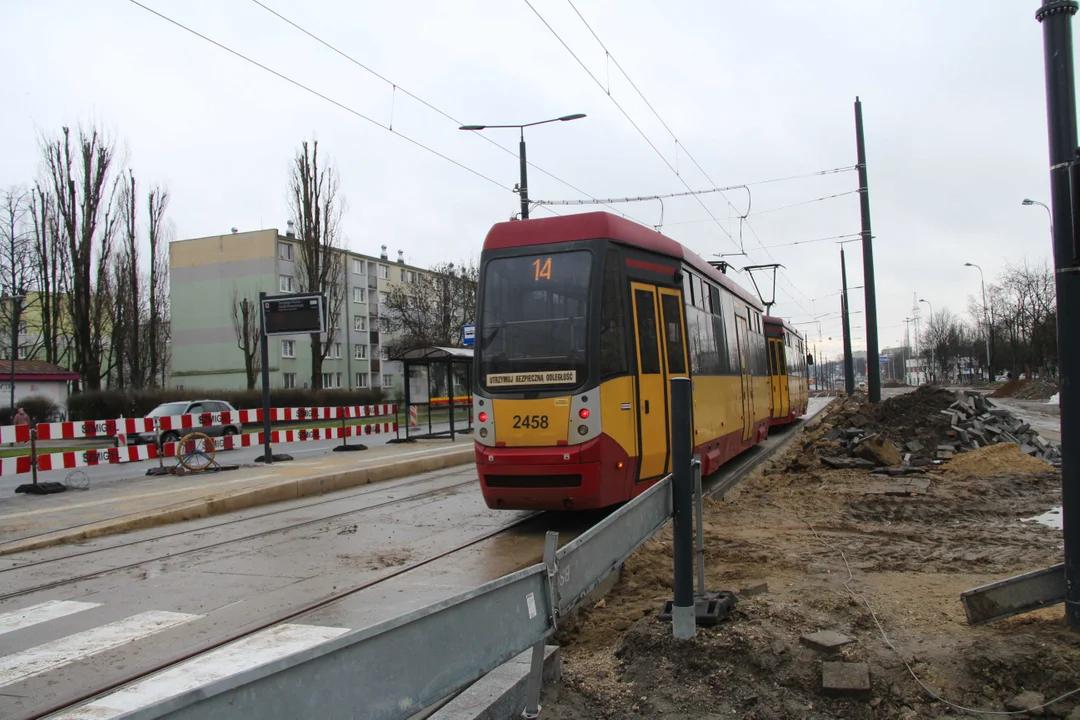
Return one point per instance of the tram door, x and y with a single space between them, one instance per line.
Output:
652 392
785 378
742 331
671 306
775 380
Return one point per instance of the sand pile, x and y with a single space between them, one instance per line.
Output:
1000 458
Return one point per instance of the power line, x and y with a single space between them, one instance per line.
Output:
420 100
320 95
631 121
769 210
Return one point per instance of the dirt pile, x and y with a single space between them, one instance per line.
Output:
811 548
1001 458
926 427
1036 389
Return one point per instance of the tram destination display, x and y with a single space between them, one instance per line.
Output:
291 314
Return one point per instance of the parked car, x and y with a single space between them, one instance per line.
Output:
191 407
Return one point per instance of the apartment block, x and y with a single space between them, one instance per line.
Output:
208 274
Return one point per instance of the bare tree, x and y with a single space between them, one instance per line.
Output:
245 315
320 264
1023 317
157 202
14 257
85 190
51 276
432 310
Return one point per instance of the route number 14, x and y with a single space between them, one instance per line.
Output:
542 270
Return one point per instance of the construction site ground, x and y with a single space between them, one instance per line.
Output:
812 548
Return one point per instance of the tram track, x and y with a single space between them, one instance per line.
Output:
278 618
209 546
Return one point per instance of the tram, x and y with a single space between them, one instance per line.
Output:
789 377
582 321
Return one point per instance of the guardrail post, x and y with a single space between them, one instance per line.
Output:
699 501
683 616
536 672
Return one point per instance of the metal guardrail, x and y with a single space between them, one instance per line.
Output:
401 666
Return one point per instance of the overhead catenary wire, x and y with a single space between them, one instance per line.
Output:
742 215
398 88
634 124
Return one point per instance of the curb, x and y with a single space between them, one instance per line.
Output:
501 694
245 498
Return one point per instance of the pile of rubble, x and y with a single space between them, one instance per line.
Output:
924 428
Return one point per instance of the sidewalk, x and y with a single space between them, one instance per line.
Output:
29 522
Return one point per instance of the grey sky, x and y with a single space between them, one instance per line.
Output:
953 101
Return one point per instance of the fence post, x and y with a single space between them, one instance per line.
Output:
344 435
33 451
536 672
698 504
683 616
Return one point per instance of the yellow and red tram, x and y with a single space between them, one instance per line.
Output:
581 322
789 377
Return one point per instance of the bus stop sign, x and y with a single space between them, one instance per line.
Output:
291 314
468 335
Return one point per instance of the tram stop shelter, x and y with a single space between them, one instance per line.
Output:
437 377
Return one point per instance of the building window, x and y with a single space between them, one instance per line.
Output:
23 329
361 352
289 380
387 380
359 322
337 380
328 380
286 283
361 380
358 295
284 250
23 352
384 272
288 348
337 351
382 298
358 267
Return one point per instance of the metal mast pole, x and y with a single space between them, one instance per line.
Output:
873 370
1056 19
524 187
849 362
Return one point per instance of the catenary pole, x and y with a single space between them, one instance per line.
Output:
873 369
1056 19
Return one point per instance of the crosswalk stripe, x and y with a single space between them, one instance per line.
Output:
43 612
49 656
258 649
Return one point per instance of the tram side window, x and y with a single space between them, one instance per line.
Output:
646 323
673 334
729 332
613 359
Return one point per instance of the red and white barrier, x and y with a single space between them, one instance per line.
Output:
47 461
14 433
93 428
93 456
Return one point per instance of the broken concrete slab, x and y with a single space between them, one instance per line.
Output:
878 449
834 434
826 640
848 463
845 678
914 446
944 455
1024 701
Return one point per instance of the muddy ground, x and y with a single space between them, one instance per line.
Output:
827 553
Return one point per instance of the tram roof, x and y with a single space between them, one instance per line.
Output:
604 225
773 320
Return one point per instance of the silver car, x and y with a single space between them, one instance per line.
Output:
192 407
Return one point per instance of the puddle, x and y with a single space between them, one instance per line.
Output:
1050 518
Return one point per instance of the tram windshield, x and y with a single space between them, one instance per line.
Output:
533 320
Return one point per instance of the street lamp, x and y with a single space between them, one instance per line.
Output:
523 188
1049 215
933 363
982 282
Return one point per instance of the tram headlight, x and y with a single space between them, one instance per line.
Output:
582 430
483 432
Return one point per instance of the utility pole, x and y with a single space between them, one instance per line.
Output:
873 370
1056 19
849 363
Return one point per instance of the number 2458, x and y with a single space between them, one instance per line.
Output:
531 422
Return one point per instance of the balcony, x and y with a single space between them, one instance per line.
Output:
373 337
376 364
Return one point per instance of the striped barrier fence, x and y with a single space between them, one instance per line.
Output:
135 453
14 433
